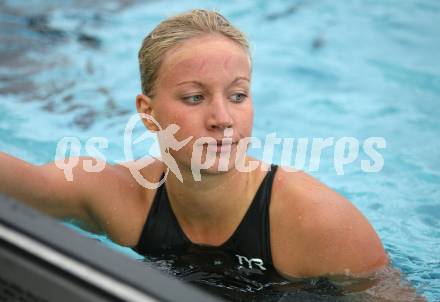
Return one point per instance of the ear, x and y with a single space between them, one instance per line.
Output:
144 104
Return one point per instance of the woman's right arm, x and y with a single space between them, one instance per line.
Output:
45 188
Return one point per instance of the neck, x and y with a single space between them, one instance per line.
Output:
213 206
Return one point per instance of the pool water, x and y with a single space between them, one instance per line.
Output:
322 68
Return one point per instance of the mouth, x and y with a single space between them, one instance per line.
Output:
220 143
221 147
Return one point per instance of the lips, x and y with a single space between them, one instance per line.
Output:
227 146
219 143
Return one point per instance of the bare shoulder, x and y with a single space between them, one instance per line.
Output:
118 203
316 231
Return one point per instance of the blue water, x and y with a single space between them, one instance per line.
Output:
322 68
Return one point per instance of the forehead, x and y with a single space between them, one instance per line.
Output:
206 57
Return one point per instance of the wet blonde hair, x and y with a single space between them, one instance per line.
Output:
175 30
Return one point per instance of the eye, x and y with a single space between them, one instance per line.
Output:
238 97
193 99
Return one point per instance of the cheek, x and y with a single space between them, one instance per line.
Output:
167 114
186 121
245 120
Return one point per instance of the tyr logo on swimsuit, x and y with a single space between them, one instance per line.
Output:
242 260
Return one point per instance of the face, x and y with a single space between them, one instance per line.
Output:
203 86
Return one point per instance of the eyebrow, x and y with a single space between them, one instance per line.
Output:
199 83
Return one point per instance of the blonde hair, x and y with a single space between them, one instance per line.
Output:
175 30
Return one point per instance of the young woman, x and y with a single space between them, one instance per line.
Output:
196 74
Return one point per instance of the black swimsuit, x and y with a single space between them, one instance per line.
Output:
248 247
243 263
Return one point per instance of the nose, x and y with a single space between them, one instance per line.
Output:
219 115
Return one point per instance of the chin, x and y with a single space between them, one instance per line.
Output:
219 166
215 169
